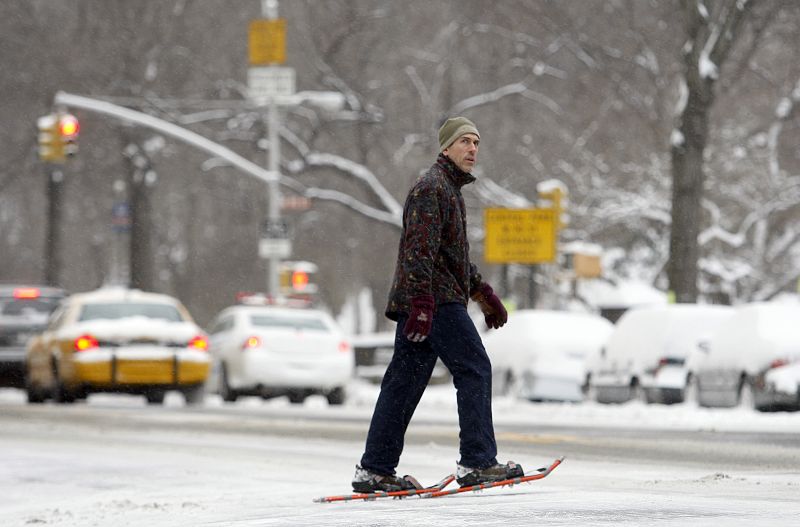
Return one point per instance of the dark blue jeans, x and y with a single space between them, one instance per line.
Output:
454 339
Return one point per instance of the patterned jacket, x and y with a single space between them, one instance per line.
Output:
433 257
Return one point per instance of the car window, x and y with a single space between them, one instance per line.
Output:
288 321
222 324
112 311
22 307
57 318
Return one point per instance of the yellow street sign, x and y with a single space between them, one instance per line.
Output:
524 236
266 41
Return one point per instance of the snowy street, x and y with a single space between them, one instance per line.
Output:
116 461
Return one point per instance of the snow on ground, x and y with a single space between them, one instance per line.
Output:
63 474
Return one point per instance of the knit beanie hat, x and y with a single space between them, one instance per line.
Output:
454 128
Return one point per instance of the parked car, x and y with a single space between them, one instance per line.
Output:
118 340
374 351
650 353
272 351
24 310
753 359
542 355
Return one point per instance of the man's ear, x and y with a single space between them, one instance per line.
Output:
446 151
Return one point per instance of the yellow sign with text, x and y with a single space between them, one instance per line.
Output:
266 41
523 236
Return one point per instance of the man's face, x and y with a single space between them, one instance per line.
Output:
464 152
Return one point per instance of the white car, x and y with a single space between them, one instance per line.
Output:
650 354
542 355
272 351
754 359
374 352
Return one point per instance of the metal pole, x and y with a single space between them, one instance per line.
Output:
55 179
269 9
273 209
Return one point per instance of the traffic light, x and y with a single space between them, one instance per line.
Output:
51 148
68 128
58 136
297 279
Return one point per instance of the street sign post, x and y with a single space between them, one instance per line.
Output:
523 236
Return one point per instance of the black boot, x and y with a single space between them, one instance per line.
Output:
368 482
467 477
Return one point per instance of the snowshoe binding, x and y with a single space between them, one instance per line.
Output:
368 482
467 477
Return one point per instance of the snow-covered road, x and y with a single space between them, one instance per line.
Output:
116 462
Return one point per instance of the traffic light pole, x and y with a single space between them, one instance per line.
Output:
328 101
55 180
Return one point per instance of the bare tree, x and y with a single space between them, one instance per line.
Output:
710 36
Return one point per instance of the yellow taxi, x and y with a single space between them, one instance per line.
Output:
118 340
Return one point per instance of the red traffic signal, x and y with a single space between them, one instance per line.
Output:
68 126
299 280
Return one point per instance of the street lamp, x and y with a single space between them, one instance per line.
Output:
272 85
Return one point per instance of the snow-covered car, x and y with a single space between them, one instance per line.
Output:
272 351
650 354
753 359
24 310
374 351
542 355
118 340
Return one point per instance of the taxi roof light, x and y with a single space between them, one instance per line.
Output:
27 293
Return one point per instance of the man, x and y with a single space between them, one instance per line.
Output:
433 282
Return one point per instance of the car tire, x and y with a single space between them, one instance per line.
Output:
61 394
155 396
35 394
336 396
194 395
297 397
227 393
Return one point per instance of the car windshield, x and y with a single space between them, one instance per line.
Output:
36 306
287 321
114 311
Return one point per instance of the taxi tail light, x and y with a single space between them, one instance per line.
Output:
200 342
85 342
344 346
251 343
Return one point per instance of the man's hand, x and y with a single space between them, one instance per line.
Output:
420 318
494 313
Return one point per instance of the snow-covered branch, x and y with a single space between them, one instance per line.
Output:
392 212
517 88
356 205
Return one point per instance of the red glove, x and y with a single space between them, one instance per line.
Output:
420 318
494 313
